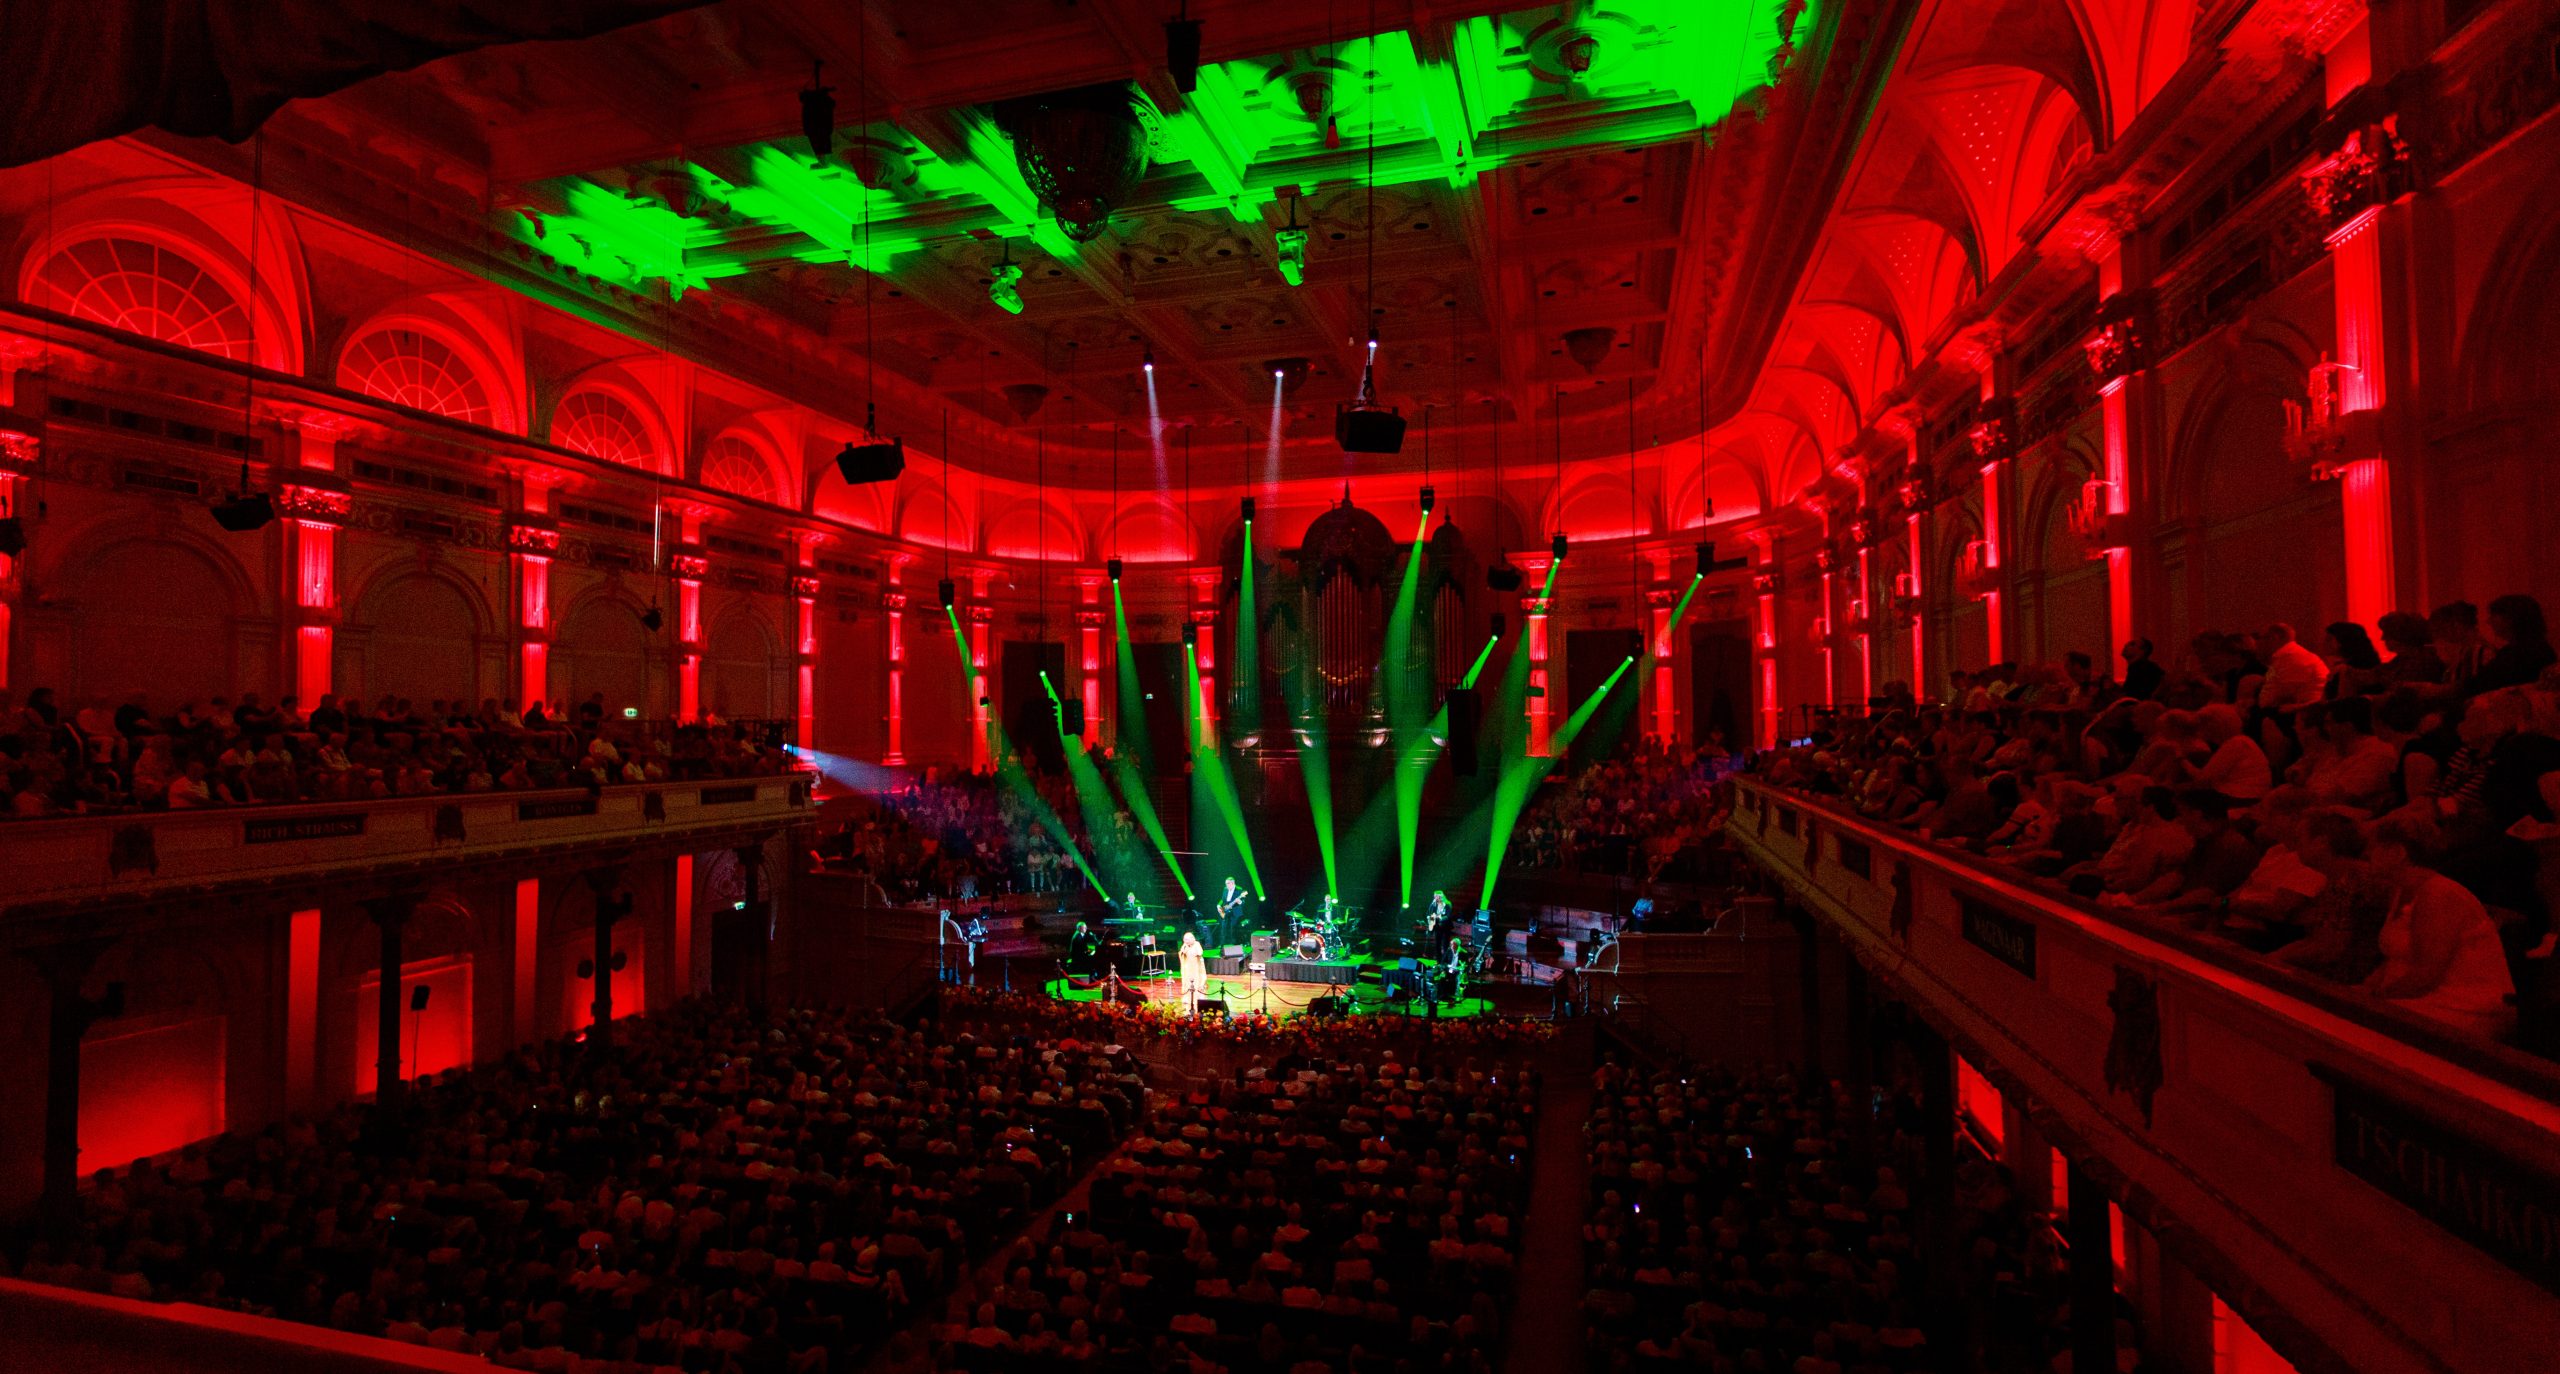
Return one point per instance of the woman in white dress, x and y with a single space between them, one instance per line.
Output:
1195 971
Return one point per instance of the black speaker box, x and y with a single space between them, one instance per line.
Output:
1369 431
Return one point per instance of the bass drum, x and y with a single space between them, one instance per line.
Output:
1310 943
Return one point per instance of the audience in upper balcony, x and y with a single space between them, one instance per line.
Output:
2392 823
1628 815
218 752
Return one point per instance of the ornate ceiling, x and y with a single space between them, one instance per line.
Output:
1651 172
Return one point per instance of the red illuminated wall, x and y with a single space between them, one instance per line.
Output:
145 1091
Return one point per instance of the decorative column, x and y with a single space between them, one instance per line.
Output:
804 608
2089 1231
690 564
893 653
1993 440
528 958
612 904
1091 623
1826 563
982 627
69 1014
1203 619
2115 355
1904 423
1765 585
301 1010
314 502
18 456
1533 627
532 542
1659 600
391 918
2338 430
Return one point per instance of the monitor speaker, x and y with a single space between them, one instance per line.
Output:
1263 943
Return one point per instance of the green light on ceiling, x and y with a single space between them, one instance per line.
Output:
626 240
829 204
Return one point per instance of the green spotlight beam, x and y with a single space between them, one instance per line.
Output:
1413 747
1524 775
1129 755
1094 795
1009 771
1315 768
1209 770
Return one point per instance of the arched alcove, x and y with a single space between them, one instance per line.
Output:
740 667
415 634
156 615
603 647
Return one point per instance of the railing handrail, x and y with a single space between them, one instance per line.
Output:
45 825
2505 1064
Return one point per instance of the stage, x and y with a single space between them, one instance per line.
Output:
1358 985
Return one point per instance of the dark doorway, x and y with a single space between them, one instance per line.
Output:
1720 681
1029 724
1160 729
1590 656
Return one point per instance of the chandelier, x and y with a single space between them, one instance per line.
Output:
1080 151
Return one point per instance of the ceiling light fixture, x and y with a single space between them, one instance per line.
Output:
1148 363
1004 282
1290 243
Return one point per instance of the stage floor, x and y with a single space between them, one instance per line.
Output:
1244 994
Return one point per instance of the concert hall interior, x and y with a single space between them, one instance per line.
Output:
1260 686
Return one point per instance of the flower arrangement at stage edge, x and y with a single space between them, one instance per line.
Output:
1121 1023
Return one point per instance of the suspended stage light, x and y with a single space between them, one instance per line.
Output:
1429 497
1112 566
949 592
652 620
1559 545
1005 287
245 512
818 115
878 460
1248 510
1148 364
1182 51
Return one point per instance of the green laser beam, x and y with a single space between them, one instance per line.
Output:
1524 775
1009 771
1209 770
1413 748
1094 795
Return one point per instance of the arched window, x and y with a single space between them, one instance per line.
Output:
602 425
143 288
733 465
416 370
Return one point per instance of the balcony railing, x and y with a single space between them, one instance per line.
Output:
52 863
2282 1122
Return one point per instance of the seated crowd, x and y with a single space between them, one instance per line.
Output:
1628 815
1738 1223
57 762
724 1192
2388 824
1305 1214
